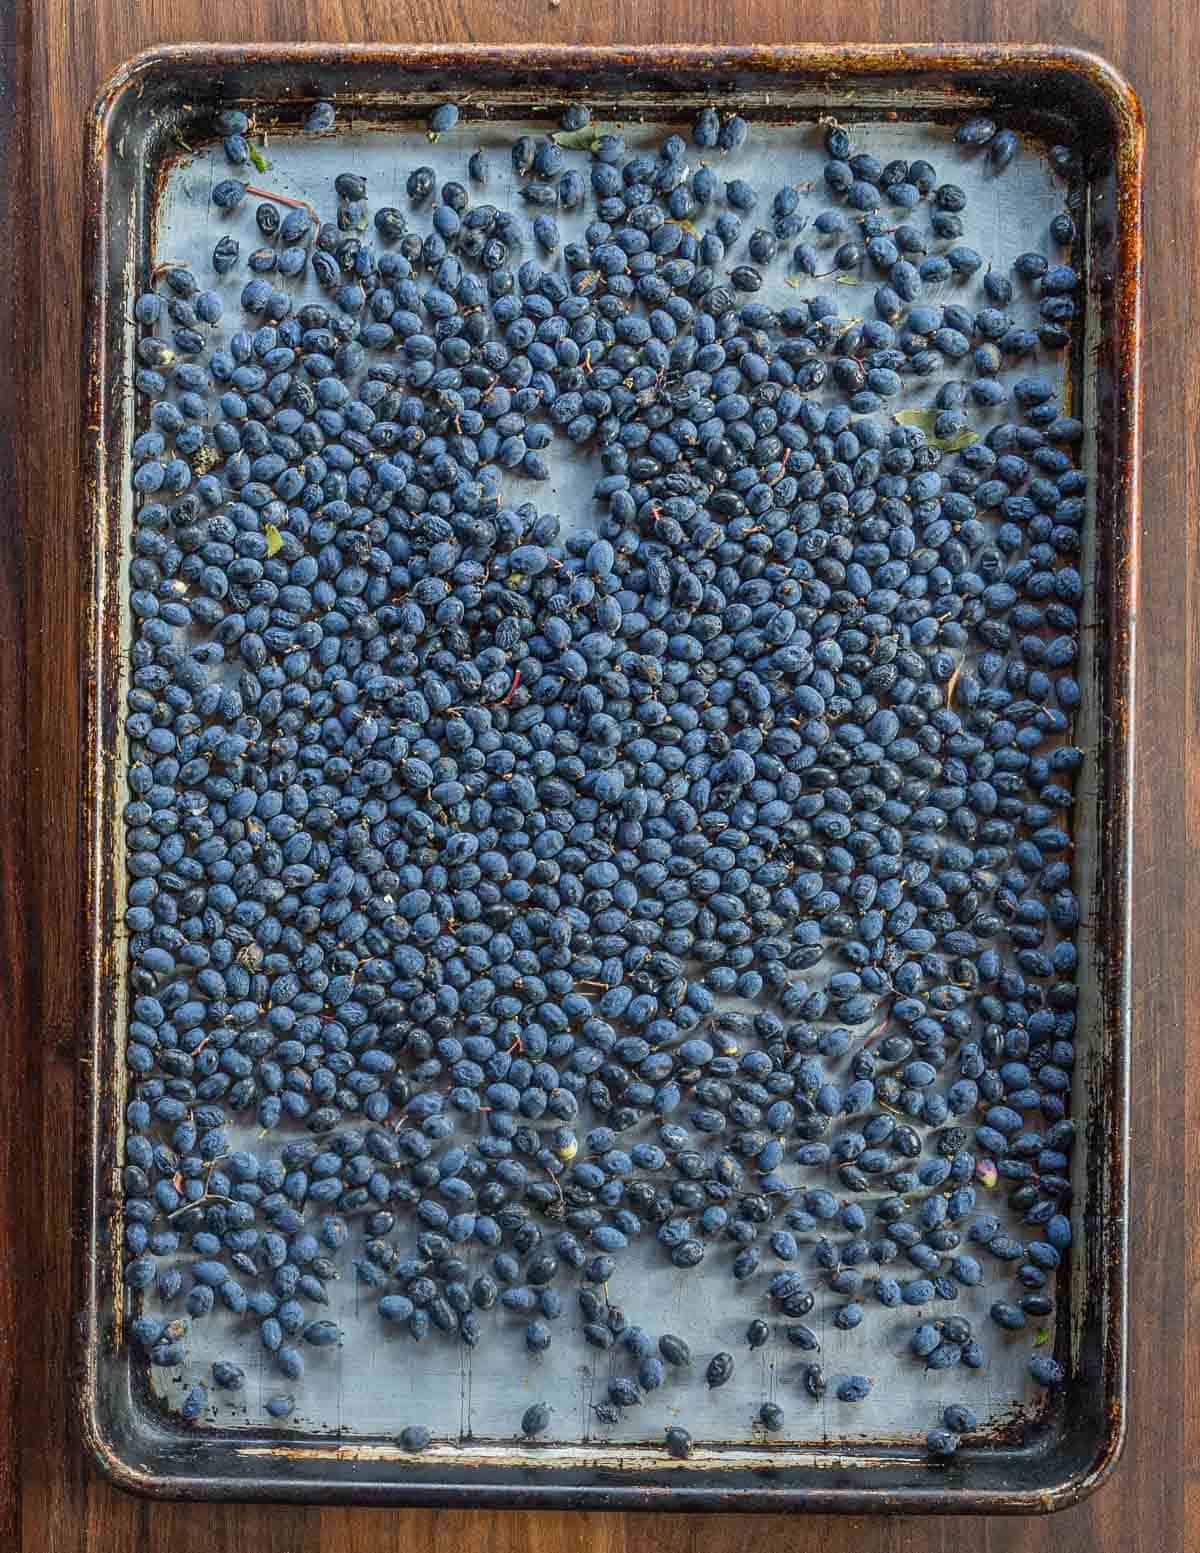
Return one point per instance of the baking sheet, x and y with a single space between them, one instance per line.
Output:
337 1446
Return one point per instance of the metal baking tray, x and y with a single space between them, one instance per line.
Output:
150 164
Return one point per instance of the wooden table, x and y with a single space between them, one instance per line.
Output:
52 56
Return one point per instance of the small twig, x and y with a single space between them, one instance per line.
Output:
284 199
952 683
212 1165
214 1197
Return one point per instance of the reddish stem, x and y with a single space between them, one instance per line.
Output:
284 199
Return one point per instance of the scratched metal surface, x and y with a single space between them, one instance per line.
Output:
379 1380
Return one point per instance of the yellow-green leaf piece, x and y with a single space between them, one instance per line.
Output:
923 418
578 139
955 444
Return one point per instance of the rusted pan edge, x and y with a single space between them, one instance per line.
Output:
819 62
100 635
293 1472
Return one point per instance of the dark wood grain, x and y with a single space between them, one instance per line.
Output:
52 56
15 948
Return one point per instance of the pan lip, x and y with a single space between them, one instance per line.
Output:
1112 89
545 58
1111 93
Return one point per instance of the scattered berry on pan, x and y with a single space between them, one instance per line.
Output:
1002 149
443 118
227 1375
719 1370
1046 1371
975 132
536 1419
959 1418
674 1350
194 1402
320 118
678 1442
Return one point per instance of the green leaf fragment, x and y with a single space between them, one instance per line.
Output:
926 420
260 162
1042 1338
274 539
923 418
578 139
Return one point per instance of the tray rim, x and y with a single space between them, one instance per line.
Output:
824 64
